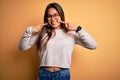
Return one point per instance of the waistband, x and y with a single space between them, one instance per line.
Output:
61 69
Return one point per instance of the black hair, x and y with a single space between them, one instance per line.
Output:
47 28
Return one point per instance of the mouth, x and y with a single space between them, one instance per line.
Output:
54 22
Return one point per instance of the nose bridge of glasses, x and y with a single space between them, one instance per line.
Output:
53 16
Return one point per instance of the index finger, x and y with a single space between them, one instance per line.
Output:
44 24
64 22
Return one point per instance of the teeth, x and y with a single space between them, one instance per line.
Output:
53 22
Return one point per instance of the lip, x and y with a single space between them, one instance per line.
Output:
54 22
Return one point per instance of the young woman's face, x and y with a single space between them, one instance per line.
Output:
54 18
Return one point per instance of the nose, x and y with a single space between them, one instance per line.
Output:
52 17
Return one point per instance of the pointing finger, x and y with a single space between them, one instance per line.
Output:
44 24
64 22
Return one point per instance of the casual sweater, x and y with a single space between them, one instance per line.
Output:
58 49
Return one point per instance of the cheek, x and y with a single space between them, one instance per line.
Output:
59 19
49 21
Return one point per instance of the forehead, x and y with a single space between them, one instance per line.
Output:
52 11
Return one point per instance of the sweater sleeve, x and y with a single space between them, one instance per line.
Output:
84 39
28 39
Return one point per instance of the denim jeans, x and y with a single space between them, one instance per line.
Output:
63 74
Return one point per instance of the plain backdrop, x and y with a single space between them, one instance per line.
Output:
100 18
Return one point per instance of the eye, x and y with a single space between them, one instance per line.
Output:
49 16
54 15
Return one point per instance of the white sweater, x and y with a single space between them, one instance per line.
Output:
59 48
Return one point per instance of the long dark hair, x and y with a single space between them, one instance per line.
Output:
47 28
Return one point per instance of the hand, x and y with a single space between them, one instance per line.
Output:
38 28
70 26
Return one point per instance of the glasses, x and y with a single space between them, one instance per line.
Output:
52 16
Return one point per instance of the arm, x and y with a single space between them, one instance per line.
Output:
84 39
30 36
28 39
81 36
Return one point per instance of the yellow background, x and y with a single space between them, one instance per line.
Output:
100 18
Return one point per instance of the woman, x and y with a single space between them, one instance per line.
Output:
55 40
